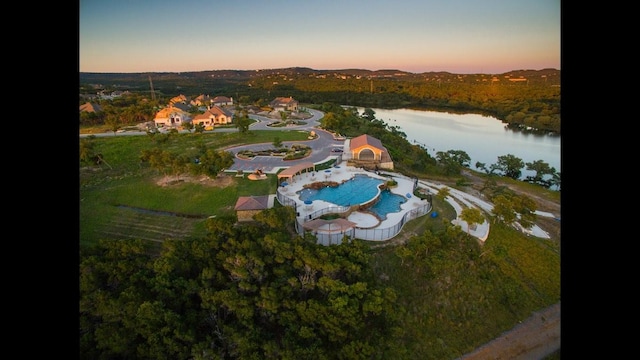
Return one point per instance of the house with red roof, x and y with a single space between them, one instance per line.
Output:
90 107
213 116
284 104
367 152
248 206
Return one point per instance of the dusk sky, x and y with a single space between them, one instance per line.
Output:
458 36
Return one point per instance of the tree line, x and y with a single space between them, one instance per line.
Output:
533 105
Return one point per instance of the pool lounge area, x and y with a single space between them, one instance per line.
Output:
365 225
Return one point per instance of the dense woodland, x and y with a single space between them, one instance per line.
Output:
527 99
261 291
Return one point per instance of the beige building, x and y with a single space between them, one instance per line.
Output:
171 117
367 152
284 104
214 116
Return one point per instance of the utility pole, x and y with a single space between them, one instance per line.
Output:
153 93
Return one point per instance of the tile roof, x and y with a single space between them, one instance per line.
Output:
252 203
365 139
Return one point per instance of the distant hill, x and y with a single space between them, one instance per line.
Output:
238 75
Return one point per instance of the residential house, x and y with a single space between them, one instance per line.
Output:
89 107
214 116
104 94
171 116
222 101
178 99
367 152
284 104
202 100
248 206
182 106
207 101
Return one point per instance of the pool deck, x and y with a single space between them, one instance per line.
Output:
405 186
344 173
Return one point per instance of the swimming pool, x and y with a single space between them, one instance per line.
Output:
358 190
387 203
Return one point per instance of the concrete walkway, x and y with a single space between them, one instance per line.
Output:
344 173
481 231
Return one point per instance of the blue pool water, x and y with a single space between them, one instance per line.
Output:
387 203
358 190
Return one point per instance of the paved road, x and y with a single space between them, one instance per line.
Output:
321 146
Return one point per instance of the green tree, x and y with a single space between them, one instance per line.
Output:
113 283
503 209
112 120
448 162
331 122
277 218
418 249
541 170
509 165
242 124
212 161
555 180
461 157
277 142
88 154
369 114
525 207
472 216
244 100
188 126
481 166
86 150
443 192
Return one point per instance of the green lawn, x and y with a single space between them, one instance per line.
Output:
109 192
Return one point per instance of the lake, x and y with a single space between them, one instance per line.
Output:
483 138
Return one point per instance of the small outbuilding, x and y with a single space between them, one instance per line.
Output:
247 206
288 173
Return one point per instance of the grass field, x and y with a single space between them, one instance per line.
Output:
110 192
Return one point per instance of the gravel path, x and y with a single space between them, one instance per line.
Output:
533 339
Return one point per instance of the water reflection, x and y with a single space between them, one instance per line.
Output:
483 138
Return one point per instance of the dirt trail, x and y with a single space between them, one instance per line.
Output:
533 339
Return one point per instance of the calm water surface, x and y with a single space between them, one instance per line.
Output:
483 138
357 190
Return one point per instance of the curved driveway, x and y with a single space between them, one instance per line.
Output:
321 146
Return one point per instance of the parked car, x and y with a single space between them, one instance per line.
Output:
336 150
